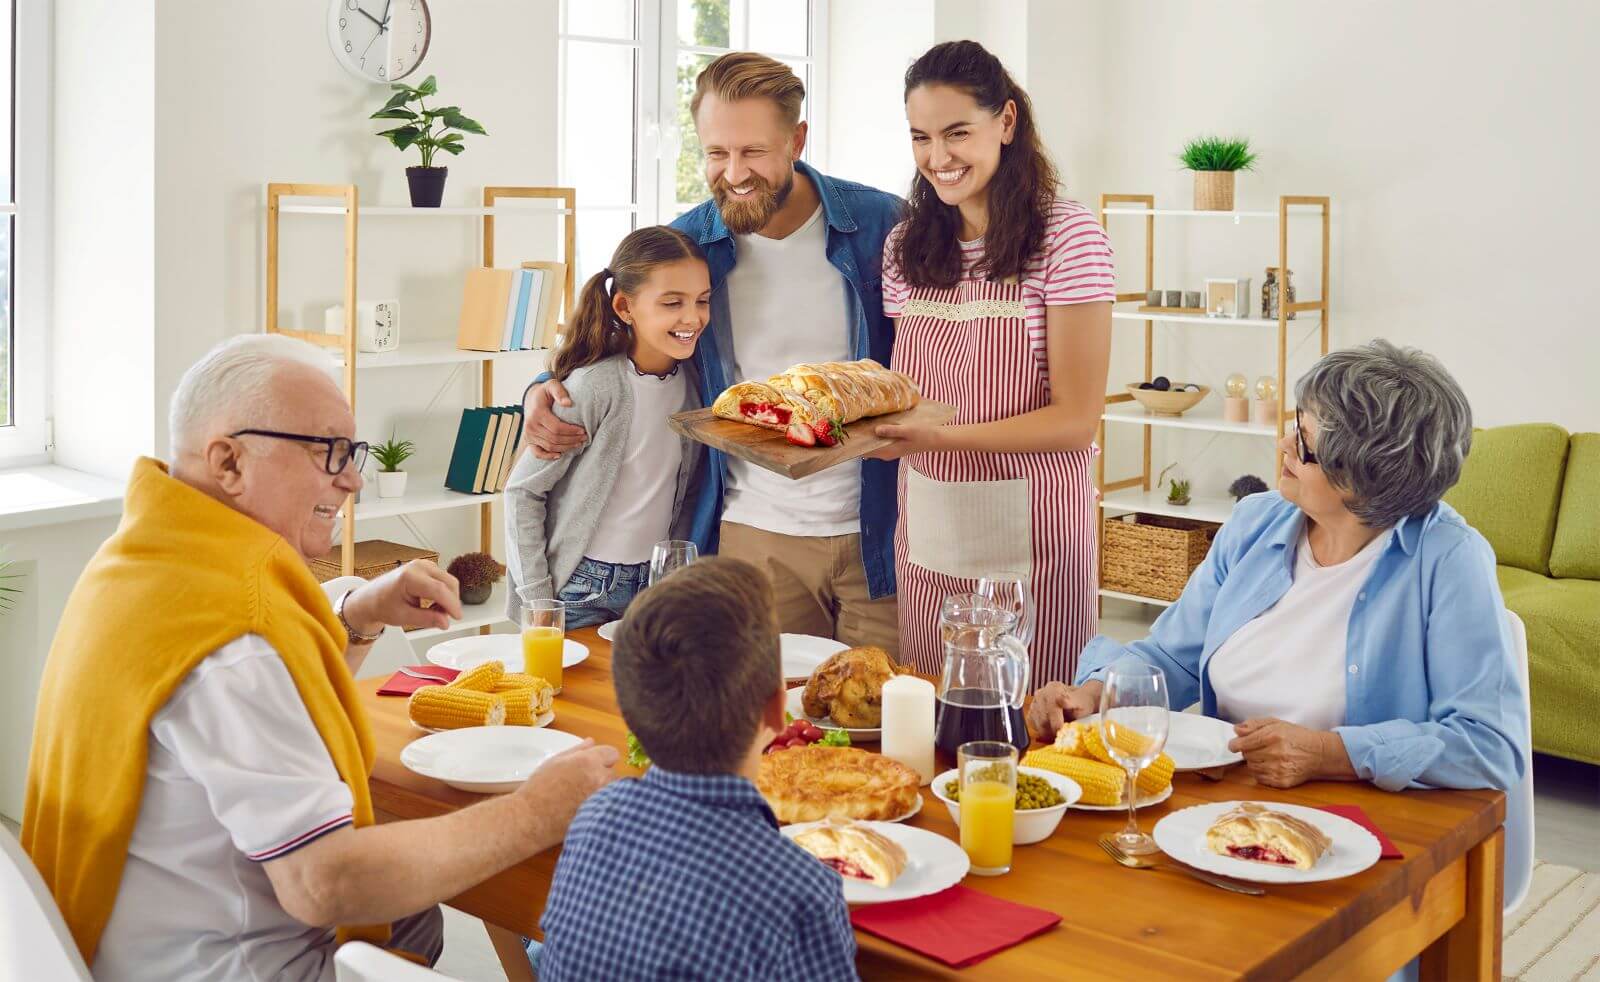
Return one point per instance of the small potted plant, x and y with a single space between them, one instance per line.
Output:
1177 491
1214 161
429 130
8 594
1246 485
477 573
390 455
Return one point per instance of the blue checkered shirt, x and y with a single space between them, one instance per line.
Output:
685 876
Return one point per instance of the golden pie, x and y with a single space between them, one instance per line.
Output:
855 851
840 391
1261 835
808 784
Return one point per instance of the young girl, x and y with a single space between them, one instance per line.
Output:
581 527
1002 293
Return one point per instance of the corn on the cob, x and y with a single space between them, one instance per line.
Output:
442 707
1155 776
526 704
480 679
516 680
1102 783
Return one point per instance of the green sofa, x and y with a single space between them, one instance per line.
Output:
1534 493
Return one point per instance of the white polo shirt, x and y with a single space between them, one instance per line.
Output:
237 775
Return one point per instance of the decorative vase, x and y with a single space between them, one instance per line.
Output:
427 185
1213 190
477 593
391 484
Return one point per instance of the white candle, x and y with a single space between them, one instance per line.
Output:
908 723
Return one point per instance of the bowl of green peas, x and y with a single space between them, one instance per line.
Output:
1042 798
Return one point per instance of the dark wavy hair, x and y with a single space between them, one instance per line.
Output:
1021 191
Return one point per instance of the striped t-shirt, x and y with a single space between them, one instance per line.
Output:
1074 265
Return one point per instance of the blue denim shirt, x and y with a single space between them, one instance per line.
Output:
859 219
1433 694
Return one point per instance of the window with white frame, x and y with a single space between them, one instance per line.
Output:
627 74
24 112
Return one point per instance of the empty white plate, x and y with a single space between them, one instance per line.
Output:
802 653
608 630
1195 742
485 759
470 652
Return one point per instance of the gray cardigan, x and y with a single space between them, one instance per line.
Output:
554 506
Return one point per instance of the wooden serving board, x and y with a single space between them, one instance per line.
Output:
772 450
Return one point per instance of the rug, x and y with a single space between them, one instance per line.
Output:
1555 935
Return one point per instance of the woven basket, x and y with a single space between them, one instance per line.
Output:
1152 555
374 557
1213 190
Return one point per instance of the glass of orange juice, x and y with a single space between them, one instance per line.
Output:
988 771
544 634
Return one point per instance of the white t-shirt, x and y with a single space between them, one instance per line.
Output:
237 776
639 512
787 304
1290 662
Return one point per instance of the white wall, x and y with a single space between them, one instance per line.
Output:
870 46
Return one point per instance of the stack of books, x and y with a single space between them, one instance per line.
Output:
511 309
486 446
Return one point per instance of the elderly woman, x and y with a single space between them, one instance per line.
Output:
1350 625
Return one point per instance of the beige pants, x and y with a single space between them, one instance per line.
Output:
820 584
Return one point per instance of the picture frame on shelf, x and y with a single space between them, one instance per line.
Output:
1228 297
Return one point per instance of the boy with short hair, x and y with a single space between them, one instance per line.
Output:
683 873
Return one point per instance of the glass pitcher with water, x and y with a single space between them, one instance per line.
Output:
985 675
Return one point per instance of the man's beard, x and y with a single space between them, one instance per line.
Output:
751 212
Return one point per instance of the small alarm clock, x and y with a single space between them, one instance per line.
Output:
377 324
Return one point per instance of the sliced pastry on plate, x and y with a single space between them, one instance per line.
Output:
1261 835
855 851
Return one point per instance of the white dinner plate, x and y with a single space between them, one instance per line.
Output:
1182 835
467 653
544 720
1145 801
802 653
485 759
1195 742
797 709
608 630
933 863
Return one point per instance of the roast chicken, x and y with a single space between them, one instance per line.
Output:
848 688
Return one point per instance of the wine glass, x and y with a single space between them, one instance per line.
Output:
1134 718
1010 592
670 555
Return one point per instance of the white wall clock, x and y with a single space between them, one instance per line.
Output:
379 40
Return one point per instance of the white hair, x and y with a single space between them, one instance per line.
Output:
231 387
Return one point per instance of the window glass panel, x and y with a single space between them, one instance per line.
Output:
598 235
779 26
5 320
690 184
598 158
703 23
7 223
600 18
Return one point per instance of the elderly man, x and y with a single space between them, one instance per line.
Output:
197 797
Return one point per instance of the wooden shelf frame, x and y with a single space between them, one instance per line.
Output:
349 207
1291 205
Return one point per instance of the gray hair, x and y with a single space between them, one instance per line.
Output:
231 387
1392 428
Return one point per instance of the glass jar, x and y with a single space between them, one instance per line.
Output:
1269 293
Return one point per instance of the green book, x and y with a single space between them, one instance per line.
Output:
470 436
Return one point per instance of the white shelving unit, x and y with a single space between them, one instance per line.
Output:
1135 494
425 491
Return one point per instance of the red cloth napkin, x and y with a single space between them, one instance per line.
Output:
958 926
401 684
1356 815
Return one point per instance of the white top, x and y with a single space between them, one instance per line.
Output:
1290 662
639 512
787 305
237 775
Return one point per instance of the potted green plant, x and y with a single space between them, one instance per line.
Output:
8 594
429 130
1214 161
1177 491
390 455
476 573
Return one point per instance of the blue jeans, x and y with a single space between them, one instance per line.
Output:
598 592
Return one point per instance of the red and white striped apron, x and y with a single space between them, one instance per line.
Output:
962 513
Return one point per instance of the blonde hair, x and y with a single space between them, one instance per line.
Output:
747 75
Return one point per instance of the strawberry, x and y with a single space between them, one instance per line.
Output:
800 435
828 432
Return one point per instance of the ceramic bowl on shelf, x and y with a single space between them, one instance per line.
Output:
1169 402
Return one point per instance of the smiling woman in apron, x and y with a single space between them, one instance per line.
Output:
1002 293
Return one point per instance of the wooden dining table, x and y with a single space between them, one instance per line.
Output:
1441 901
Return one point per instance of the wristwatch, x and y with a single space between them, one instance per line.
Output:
355 636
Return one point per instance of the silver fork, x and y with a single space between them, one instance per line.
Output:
421 675
1147 862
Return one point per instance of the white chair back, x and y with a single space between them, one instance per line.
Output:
390 651
34 940
1519 803
357 961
